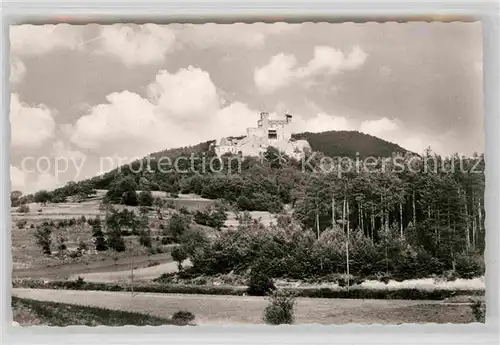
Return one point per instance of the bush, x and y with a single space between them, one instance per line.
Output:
469 266
260 284
21 223
479 311
183 317
23 209
82 246
280 308
167 240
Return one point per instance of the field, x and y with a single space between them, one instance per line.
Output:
210 309
28 312
148 264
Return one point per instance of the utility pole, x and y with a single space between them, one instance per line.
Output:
132 275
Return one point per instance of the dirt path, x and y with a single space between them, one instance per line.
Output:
143 273
211 309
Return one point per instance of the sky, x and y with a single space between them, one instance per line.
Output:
85 96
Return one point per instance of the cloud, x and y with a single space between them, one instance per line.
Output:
413 140
31 182
40 39
326 60
17 70
331 61
182 109
379 126
30 125
276 74
187 94
62 149
323 122
238 34
136 44
17 178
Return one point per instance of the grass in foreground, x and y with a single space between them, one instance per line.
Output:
29 312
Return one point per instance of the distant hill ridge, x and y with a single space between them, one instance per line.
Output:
350 144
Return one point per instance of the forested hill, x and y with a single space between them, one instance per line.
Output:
331 143
349 144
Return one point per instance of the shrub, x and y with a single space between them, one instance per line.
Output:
469 265
61 243
82 246
259 283
167 240
214 217
23 209
280 308
479 311
183 317
21 223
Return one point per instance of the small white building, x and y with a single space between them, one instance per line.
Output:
275 133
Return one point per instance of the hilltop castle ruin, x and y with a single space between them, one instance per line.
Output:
275 133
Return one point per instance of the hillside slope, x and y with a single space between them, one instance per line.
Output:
349 144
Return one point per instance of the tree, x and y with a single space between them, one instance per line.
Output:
177 225
43 238
114 237
98 234
42 197
259 282
179 254
123 190
146 198
144 230
15 197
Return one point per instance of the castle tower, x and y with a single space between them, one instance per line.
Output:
288 118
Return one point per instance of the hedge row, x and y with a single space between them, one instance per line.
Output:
353 292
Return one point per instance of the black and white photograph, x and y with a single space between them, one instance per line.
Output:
231 174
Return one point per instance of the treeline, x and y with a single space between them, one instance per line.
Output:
285 250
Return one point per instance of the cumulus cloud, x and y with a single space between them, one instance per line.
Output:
276 74
40 39
182 108
30 125
17 70
326 60
136 44
187 94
